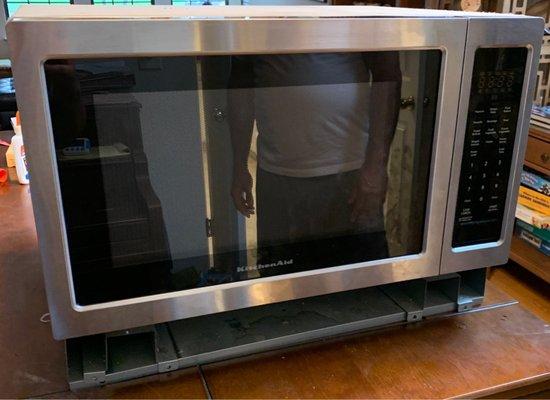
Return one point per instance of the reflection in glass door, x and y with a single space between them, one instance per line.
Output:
183 172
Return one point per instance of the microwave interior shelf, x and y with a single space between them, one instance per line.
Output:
111 153
118 356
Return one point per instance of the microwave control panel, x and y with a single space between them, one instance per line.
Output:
495 96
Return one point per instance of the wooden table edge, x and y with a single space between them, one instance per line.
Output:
518 388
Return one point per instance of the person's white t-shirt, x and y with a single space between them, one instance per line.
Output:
312 113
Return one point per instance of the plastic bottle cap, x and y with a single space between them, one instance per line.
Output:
3 175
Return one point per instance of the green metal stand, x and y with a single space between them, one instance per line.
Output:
119 356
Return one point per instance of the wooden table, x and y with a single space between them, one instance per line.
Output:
477 354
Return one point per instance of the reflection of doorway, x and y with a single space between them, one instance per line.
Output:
408 151
228 227
251 232
171 146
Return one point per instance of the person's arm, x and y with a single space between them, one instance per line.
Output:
240 106
370 190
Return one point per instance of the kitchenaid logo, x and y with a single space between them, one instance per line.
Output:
257 267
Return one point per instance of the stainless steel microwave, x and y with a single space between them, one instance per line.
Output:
188 161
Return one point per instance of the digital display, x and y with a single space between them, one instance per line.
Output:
495 81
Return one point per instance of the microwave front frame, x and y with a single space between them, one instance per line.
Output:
35 41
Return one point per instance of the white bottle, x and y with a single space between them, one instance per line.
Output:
19 153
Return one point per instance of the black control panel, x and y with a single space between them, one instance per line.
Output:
495 96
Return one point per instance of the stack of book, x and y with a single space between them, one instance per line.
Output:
540 116
533 210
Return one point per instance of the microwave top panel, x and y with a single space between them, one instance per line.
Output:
47 12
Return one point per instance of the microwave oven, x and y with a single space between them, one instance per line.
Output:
188 161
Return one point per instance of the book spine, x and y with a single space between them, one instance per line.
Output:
534 241
532 217
540 124
544 234
535 182
535 200
543 111
541 118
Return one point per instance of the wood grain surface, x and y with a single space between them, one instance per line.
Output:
532 293
31 362
481 352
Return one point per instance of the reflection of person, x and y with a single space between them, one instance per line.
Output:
65 98
325 125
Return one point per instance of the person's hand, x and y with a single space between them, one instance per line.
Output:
241 191
368 196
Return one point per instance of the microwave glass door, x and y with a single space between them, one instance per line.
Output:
189 171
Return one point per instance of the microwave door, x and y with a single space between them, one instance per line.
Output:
167 206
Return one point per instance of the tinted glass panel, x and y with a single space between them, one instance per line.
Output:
182 172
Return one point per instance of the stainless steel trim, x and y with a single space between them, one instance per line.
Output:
492 33
32 42
4 51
